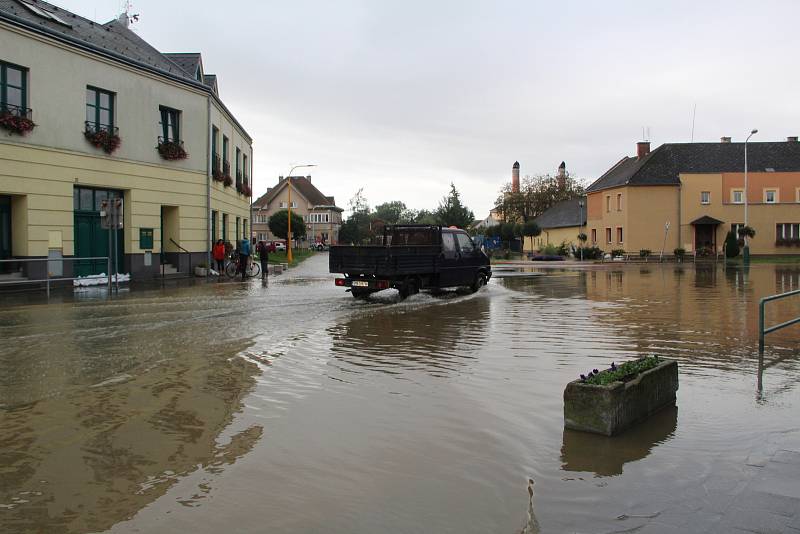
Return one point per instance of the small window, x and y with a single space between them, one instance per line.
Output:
225 148
797 195
770 196
705 197
737 196
594 235
619 201
99 110
283 204
619 235
13 89
465 243
608 203
170 124
608 235
448 242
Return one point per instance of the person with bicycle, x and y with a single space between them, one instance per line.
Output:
244 257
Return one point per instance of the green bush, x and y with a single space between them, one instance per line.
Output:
589 253
644 253
550 250
563 249
679 253
621 372
617 252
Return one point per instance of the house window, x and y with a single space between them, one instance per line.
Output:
238 223
735 227
215 148
99 110
170 124
213 225
608 235
594 235
797 195
705 197
225 227
787 231
245 171
619 235
238 166
770 196
619 201
13 89
244 229
608 203
737 196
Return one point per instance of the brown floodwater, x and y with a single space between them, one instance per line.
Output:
295 408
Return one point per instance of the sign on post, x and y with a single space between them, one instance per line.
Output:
111 214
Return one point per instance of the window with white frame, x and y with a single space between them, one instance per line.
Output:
283 204
608 235
705 197
785 231
770 196
737 196
797 195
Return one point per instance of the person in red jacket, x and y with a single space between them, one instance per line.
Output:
218 253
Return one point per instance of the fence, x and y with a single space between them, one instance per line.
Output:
48 279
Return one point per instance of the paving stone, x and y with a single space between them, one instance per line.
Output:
787 457
757 521
656 527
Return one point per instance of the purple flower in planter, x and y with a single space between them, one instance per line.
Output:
583 378
613 366
595 371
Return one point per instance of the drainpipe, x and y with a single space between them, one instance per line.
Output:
208 183
680 221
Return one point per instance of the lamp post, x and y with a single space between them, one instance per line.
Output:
580 224
289 212
746 241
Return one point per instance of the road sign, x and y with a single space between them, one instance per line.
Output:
111 213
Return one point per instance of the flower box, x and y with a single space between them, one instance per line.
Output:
106 140
170 149
611 408
16 122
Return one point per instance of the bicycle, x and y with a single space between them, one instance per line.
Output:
232 269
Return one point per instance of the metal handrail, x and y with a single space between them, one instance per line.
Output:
17 111
762 329
60 278
94 127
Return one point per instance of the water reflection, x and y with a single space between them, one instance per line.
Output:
606 456
83 458
435 334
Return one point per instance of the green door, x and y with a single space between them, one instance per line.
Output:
5 232
91 240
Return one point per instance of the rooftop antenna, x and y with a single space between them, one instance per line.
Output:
648 134
694 114
126 17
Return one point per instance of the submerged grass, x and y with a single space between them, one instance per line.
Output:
619 373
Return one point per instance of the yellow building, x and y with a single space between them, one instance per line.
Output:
560 224
320 213
114 118
690 195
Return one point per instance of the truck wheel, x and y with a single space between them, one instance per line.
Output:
409 287
480 281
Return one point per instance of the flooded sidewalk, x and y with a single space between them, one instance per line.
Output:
292 407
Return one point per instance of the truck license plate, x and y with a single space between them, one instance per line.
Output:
358 283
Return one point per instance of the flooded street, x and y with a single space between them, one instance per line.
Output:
296 408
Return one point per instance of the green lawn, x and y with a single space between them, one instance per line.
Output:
298 255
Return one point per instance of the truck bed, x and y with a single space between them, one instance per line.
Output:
384 261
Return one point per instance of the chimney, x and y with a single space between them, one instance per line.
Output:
515 177
562 176
724 139
642 149
791 139
123 19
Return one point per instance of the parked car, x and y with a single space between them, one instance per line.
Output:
280 246
319 246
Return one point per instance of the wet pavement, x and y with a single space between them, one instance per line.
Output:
295 408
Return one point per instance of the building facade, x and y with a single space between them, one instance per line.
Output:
320 213
114 119
690 195
560 224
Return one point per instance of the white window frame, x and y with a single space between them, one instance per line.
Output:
775 197
609 235
620 235
283 205
733 196
705 197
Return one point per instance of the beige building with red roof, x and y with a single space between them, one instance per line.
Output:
320 213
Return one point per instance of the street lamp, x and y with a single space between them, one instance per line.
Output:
289 212
580 224
746 241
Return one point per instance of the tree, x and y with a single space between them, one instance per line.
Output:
507 232
536 195
530 229
390 212
731 245
451 212
279 223
358 227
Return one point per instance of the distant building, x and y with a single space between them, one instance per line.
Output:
561 223
90 112
690 195
320 213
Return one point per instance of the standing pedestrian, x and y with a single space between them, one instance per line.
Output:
263 256
244 257
218 253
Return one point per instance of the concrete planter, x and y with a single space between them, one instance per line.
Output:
200 271
612 408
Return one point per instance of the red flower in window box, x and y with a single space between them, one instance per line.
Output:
103 139
217 175
246 191
171 150
228 181
15 124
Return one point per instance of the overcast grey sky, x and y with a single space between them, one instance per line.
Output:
403 97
